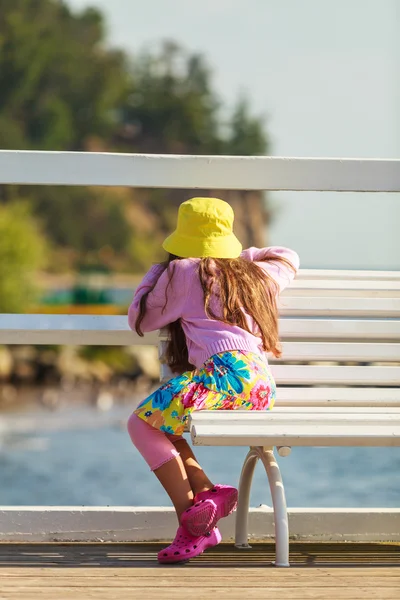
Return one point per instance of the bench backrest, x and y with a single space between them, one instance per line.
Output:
339 350
341 341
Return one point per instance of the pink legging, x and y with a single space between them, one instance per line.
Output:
154 445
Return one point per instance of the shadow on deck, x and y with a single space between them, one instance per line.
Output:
81 571
145 555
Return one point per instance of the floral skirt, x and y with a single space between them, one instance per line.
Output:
227 381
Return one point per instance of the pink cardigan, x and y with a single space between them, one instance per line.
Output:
204 336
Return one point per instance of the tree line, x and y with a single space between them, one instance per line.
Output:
63 87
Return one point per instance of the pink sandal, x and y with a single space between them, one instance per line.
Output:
186 546
208 508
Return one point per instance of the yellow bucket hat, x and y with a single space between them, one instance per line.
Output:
204 229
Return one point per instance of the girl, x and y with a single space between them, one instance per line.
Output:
219 305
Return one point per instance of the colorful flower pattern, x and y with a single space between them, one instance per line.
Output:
228 381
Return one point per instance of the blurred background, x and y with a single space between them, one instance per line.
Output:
245 77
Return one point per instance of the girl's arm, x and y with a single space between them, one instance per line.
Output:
281 272
164 303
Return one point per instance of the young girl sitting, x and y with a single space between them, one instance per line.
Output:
220 307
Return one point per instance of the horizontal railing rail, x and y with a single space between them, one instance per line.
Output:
114 330
25 167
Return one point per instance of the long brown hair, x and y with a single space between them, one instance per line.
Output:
243 290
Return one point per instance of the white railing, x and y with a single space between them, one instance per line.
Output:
26 167
371 295
102 330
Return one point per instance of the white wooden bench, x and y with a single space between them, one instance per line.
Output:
347 395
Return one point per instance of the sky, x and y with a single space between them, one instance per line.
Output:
325 74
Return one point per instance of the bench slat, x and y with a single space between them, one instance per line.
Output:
340 375
339 293
349 288
321 436
313 428
341 274
303 306
339 351
336 329
346 284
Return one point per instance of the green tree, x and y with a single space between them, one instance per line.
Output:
171 106
83 219
63 88
60 90
59 84
22 253
246 135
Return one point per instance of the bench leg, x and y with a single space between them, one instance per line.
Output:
278 501
242 511
279 505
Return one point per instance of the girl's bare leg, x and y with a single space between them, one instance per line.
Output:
174 479
198 480
172 461
163 459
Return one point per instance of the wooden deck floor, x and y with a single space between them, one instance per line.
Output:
130 571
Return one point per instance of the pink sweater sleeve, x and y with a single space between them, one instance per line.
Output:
164 303
282 274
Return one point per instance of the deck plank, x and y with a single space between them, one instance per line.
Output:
122 571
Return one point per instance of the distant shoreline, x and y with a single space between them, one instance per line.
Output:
45 400
68 280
